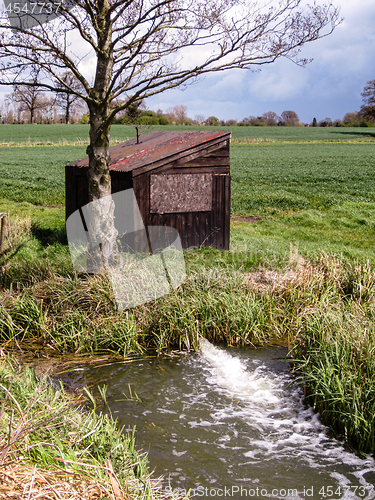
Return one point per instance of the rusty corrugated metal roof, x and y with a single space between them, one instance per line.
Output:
157 146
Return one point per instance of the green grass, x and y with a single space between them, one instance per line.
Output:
337 232
79 133
319 196
338 372
36 175
281 178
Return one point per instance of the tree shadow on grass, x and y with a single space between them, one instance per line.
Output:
9 253
48 237
359 134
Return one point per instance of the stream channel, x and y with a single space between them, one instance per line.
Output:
230 423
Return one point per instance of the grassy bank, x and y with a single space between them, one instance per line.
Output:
53 446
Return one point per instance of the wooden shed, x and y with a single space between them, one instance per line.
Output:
180 179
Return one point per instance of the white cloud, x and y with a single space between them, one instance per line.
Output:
330 85
277 83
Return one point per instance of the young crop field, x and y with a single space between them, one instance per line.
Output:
284 178
72 134
36 174
301 134
314 195
57 134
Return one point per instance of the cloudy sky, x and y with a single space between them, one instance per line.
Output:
330 86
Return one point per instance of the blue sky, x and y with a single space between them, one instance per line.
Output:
330 86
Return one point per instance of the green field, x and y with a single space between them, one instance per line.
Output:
79 133
315 195
36 175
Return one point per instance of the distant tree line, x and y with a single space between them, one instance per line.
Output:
365 117
28 104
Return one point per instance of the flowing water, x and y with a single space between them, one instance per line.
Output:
231 423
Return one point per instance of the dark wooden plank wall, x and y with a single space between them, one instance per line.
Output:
121 181
76 189
70 191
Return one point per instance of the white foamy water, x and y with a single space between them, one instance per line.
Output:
230 373
282 427
234 418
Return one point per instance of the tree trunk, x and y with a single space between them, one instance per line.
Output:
102 231
102 228
67 111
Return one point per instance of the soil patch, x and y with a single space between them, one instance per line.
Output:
251 219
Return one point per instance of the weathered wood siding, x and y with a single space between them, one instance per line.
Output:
77 187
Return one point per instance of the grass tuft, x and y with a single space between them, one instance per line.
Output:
53 444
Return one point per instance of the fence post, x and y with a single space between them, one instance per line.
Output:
3 225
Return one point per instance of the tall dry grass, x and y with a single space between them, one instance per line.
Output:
53 446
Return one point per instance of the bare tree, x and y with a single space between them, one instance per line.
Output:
143 47
200 118
46 112
255 120
7 111
66 100
367 114
270 118
352 118
178 114
368 95
327 122
28 97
